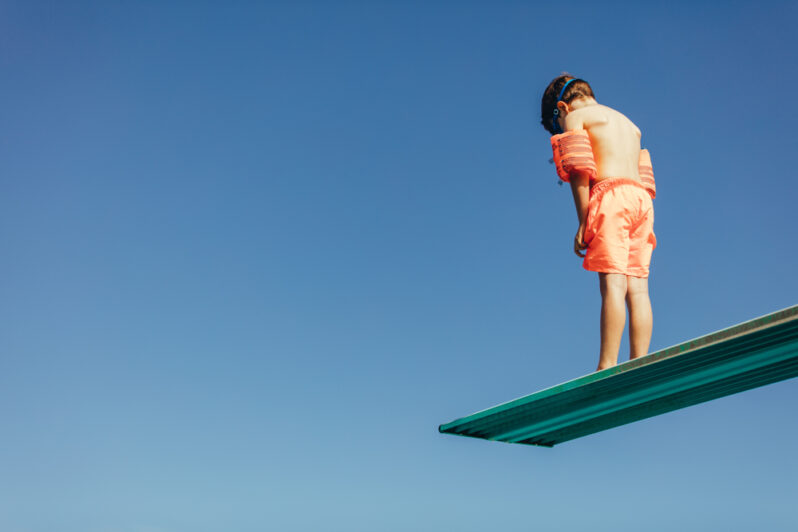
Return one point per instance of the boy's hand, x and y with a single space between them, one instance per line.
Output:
579 241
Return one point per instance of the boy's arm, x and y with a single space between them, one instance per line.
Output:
580 187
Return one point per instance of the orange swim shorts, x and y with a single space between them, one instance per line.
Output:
619 231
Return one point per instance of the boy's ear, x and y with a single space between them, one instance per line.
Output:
563 107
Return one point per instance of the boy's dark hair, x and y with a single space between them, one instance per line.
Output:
578 89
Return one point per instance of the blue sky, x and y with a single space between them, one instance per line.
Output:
254 254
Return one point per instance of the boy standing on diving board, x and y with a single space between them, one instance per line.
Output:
597 150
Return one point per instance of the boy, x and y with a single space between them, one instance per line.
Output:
597 149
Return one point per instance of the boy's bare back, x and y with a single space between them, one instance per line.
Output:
615 139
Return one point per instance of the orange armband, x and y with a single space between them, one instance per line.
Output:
573 153
646 172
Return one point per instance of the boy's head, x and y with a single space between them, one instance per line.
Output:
576 88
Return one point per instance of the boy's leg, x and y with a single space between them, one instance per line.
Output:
613 317
640 317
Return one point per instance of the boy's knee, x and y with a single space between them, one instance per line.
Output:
613 284
637 286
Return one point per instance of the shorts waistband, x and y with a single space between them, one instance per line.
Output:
600 188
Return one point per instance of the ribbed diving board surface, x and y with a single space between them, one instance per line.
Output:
755 353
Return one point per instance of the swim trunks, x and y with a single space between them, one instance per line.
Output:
619 230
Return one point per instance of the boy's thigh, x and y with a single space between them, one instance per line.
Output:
642 242
607 238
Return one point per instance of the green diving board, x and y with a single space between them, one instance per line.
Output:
755 353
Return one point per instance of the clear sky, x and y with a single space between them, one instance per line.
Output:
254 253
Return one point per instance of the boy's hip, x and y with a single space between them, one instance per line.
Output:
620 228
619 196
617 207
601 187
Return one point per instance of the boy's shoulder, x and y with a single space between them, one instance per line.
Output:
587 117
596 116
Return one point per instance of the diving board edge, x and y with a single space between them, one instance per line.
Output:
756 328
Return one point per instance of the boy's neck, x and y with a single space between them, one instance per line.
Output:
582 102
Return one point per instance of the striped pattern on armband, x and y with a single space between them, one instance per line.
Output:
646 172
573 153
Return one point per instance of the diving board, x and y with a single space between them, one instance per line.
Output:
755 353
